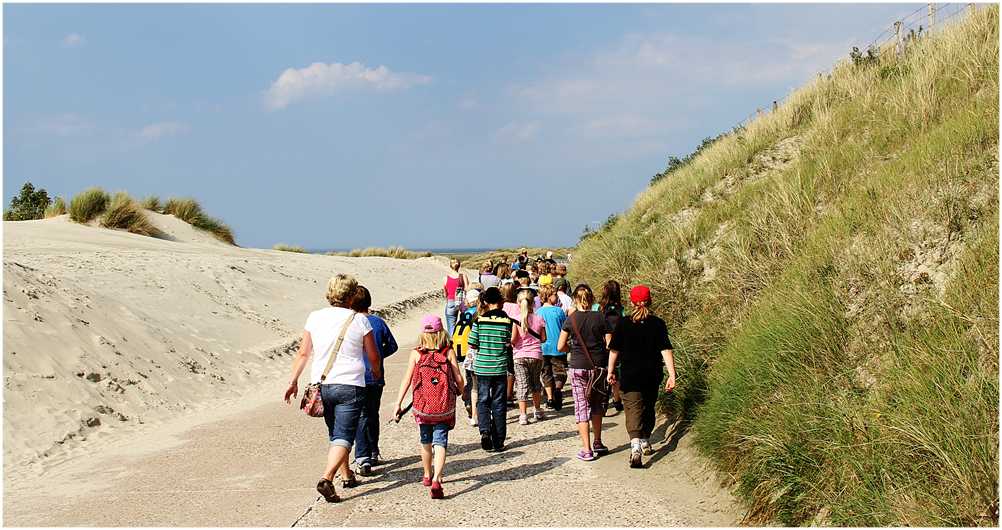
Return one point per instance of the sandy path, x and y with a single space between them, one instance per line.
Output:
256 464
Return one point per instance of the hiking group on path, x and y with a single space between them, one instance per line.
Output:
516 334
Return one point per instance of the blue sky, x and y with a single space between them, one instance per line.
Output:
336 126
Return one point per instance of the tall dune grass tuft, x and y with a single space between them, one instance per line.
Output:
836 318
152 203
57 208
289 248
190 211
125 213
88 204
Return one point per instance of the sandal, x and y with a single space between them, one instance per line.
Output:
436 490
586 456
599 448
326 488
350 483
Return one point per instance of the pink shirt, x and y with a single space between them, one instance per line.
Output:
512 310
526 345
451 285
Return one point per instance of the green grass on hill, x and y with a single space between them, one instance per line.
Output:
830 277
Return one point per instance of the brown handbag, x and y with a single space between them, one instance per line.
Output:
311 404
598 383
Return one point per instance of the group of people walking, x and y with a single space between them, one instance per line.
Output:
515 335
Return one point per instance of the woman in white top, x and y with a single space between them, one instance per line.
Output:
343 389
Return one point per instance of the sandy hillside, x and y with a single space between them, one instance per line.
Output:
106 330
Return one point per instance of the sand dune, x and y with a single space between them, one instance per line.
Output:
106 331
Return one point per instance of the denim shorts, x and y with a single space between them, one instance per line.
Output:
342 408
437 434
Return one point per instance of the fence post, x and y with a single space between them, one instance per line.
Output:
897 38
932 16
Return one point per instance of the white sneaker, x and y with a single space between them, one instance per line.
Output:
645 446
523 419
539 415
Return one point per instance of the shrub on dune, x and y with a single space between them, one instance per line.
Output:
88 204
58 207
189 211
125 213
289 248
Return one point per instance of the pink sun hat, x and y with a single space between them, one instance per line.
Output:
431 324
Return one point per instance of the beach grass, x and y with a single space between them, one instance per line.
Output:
57 208
829 274
124 213
397 252
190 211
152 203
289 248
88 204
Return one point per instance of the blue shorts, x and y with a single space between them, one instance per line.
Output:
342 408
437 434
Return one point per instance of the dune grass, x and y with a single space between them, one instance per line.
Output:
190 211
289 248
123 212
836 318
57 208
389 252
152 203
88 204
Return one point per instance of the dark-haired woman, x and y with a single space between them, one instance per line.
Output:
641 345
611 305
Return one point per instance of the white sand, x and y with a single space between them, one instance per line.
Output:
108 332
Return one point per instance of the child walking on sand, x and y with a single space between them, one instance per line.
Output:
434 375
367 436
527 340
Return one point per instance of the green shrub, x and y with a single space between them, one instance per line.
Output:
152 203
289 248
29 205
58 207
88 204
126 214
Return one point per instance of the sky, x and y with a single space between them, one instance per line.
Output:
428 126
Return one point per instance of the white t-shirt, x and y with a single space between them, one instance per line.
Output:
324 326
566 303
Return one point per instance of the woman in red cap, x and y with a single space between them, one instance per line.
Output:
641 345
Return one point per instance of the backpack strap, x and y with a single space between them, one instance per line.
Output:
337 346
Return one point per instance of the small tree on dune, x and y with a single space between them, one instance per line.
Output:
29 204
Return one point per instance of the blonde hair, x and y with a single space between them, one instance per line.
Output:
433 341
526 299
640 311
341 289
454 263
545 292
583 296
508 292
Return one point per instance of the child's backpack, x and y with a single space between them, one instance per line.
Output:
434 389
461 335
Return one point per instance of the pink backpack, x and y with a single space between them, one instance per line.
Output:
435 389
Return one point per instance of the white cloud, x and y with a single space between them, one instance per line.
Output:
162 129
322 79
517 132
73 40
68 124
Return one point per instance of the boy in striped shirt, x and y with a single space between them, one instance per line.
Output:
491 337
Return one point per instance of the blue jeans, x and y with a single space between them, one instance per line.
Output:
342 408
437 434
451 311
367 435
492 406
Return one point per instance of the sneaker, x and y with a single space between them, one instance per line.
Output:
365 468
375 460
485 442
436 490
599 448
326 488
618 405
645 446
539 415
636 461
523 419
558 402
586 456
426 481
498 446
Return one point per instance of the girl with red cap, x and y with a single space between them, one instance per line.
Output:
641 345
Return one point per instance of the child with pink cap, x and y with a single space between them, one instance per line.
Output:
434 377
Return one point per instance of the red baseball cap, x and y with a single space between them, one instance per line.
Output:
640 293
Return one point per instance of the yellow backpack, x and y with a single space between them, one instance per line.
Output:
461 335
